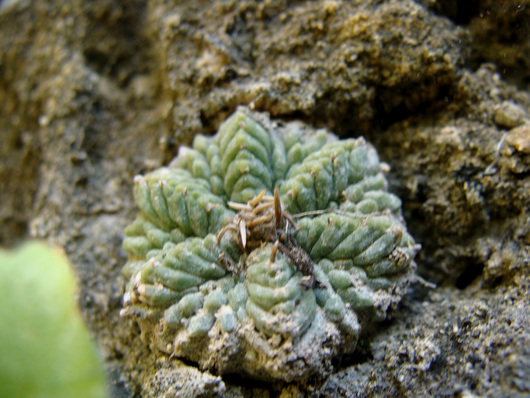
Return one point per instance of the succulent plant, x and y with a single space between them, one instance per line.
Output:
45 346
263 249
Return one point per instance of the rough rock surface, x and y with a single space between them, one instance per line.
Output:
94 93
499 31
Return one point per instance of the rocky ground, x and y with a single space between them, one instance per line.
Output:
96 92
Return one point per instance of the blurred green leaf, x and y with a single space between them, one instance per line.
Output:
45 347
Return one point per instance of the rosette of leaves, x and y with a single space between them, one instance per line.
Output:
260 317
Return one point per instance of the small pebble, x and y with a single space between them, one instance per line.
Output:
519 138
509 115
